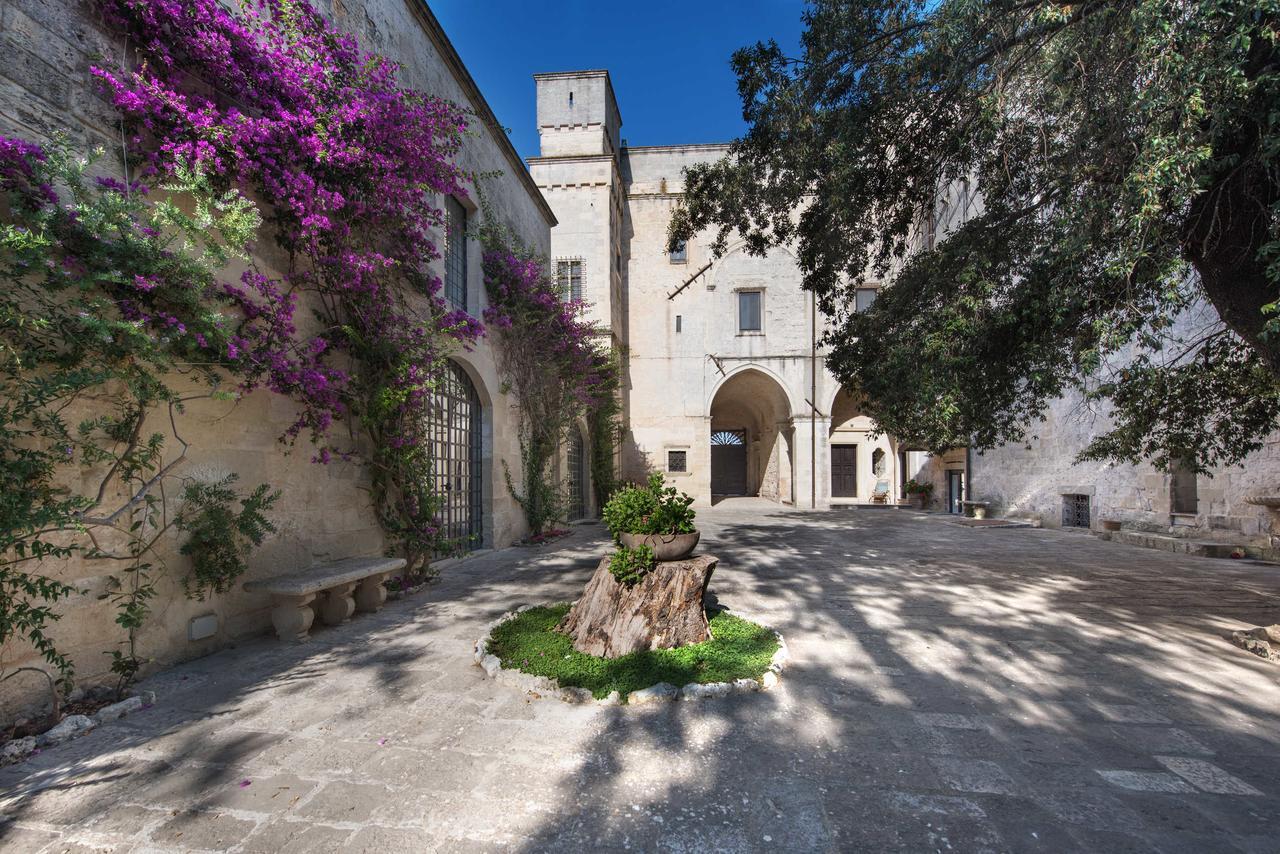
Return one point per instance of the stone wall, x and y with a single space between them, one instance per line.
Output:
1029 480
45 51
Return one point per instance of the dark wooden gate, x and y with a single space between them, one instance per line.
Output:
729 462
844 471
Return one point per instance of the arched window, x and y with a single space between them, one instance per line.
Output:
454 430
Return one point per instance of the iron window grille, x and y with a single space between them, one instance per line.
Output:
1076 511
729 437
455 258
569 278
677 461
575 462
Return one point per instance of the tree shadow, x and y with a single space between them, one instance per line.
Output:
951 687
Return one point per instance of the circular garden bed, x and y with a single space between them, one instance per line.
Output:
525 648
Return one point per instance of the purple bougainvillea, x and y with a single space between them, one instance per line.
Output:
351 167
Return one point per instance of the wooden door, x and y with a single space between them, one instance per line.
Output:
844 471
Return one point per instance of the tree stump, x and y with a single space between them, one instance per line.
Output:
661 611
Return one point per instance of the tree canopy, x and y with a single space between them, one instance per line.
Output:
1121 160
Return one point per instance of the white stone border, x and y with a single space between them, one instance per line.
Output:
663 692
74 726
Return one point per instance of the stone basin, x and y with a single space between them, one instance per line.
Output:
665 546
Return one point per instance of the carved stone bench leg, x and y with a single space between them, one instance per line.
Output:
338 606
371 594
292 616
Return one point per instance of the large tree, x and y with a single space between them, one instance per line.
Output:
1124 158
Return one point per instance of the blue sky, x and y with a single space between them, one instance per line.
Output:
669 60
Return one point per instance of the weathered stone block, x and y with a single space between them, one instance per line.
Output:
118 710
660 693
71 726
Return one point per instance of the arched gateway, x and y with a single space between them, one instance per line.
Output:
454 429
751 438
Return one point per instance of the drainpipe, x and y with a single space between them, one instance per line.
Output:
968 472
813 397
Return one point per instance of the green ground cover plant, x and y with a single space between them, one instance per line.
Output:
739 649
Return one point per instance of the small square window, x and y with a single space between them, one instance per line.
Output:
864 298
677 461
749 311
680 254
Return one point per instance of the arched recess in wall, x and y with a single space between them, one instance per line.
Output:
865 465
459 423
751 436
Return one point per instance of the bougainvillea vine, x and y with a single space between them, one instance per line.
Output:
352 167
550 360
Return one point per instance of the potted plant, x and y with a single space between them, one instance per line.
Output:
653 515
921 493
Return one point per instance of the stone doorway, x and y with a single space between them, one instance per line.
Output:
454 429
750 438
729 462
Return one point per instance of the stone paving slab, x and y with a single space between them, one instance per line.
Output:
962 689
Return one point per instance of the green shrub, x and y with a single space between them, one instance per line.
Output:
221 538
649 509
630 565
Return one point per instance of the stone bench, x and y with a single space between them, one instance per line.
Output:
350 585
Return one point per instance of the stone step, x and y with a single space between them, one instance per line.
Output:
1180 545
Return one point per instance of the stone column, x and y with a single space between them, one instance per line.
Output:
805 428
371 593
292 616
338 605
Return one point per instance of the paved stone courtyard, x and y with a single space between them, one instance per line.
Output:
953 689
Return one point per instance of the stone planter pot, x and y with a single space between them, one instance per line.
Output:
665 546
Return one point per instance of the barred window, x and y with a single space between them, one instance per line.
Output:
677 461
569 278
455 255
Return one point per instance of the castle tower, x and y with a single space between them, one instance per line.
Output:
578 172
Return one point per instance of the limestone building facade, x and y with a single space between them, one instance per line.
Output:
725 385
323 513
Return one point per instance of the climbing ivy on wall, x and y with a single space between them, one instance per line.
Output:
112 319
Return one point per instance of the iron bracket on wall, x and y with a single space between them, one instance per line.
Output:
689 281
